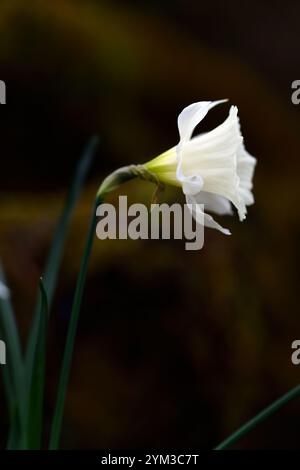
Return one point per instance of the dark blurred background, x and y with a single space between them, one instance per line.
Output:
174 348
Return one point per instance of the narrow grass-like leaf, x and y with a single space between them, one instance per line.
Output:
260 417
15 432
56 251
67 359
13 370
14 415
36 395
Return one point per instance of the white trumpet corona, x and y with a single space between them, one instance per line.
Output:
213 168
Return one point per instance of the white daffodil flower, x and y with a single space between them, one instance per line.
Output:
4 291
213 168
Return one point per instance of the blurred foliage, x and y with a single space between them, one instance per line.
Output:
174 348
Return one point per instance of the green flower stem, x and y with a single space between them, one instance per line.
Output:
109 184
252 423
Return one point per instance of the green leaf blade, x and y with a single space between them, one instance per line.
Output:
13 370
36 395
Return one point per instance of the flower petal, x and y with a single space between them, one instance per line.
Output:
190 184
214 203
201 216
190 117
187 121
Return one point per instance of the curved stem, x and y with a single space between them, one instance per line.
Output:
252 423
108 185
